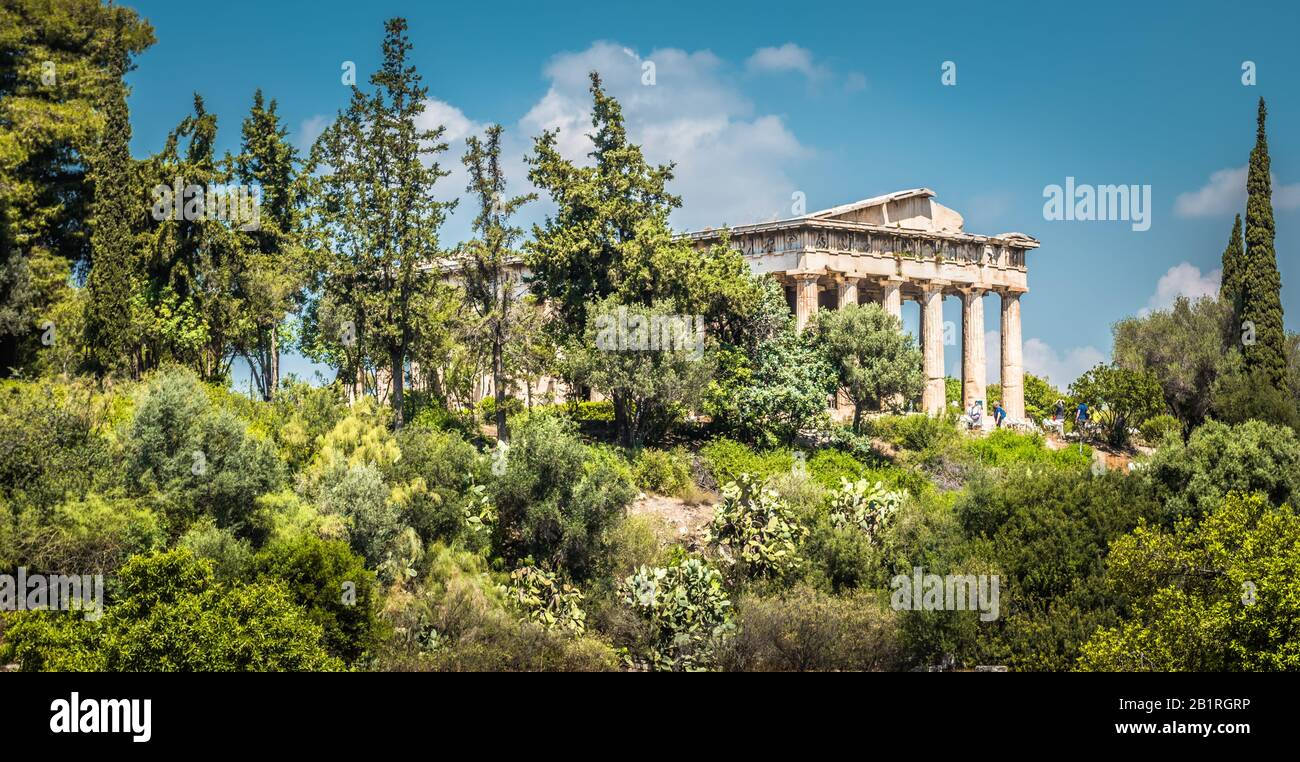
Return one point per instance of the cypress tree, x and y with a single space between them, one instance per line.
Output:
111 279
1261 284
1233 263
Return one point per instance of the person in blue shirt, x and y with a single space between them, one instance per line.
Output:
1081 415
999 415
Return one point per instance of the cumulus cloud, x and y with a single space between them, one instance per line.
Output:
1225 193
1183 279
786 58
1060 368
733 165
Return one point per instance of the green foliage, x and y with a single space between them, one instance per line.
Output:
556 498
94 535
1218 595
201 458
1132 396
362 498
1183 347
807 630
787 390
1218 459
648 360
456 618
877 365
333 587
547 601
866 506
1260 283
172 616
1155 429
755 531
664 472
1004 447
687 612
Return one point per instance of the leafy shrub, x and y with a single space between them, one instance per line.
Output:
865 506
373 521
1155 429
726 460
487 408
1252 457
556 498
546 601
755 530
456 618
91 536
333 587
1004 447
663 472
446 466
231 556
806 630
687 612
172 616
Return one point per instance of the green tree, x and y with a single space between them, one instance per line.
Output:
1128 396
487 265
876 363
1261 284
58 60
1219 595
614 210
1234 263
1183 347
113 279
270 267
649 360
376 222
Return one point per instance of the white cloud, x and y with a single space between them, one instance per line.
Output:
733 166
1059 368
457 128
855 82
310 129
788 57
1225 193
1183 279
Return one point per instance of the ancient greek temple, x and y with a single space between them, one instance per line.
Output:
900 246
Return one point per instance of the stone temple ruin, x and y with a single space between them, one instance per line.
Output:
904 245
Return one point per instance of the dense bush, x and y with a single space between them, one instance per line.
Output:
663 472
687 613
1217 459
1155 429
806 630
171 615
555 498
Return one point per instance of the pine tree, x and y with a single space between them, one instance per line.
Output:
606 213
377 222
1261 284
1234 262
270 269
112 280
487 264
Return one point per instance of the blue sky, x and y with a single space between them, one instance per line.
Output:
758 100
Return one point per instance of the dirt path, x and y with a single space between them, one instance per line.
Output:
688 521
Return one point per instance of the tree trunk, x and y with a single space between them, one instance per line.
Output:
397 357
499 387
275 362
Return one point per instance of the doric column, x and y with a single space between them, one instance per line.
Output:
1013 371
805 298
932 348
892 300
973 364
848 291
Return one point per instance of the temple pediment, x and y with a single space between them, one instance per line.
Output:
913 209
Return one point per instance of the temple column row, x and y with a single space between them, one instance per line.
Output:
973 361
